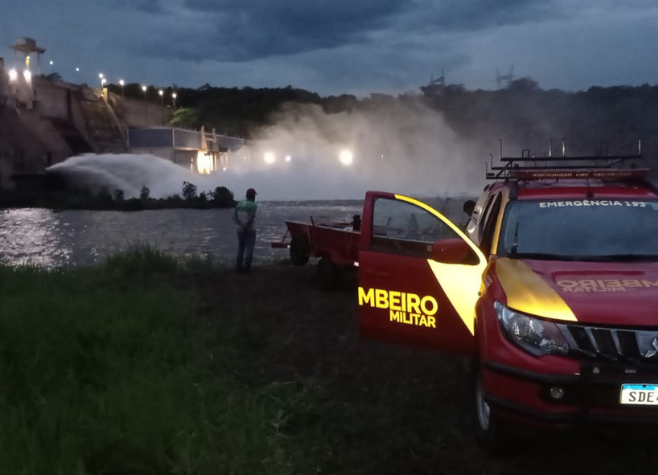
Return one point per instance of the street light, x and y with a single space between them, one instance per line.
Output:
77 70
100 76
103 81
161 92
146 107
174 95
121 82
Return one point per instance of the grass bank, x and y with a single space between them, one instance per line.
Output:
149 365
108 371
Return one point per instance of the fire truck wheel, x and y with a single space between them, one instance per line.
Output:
491 430
329 274
299 251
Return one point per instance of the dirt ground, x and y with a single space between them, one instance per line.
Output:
378 408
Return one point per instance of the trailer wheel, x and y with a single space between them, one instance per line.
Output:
299 251
329 274
492 432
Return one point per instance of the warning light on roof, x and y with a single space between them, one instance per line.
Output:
557 174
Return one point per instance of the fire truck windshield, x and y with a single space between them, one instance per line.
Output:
592 230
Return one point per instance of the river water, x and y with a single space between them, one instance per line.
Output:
78 238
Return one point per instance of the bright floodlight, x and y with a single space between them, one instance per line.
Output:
100 76
103 81
288 158
13 75
174 95
346 157
27 75
269 158
77 69
144 88
52 62
161 92
121 82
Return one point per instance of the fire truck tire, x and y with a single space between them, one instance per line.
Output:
329 274
492 433
299 251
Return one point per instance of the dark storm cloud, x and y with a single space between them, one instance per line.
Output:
244 30
330 22
336 46
146 6
236 30
476 14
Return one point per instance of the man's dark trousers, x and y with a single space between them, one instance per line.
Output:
246 244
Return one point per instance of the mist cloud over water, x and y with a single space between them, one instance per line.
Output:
397 146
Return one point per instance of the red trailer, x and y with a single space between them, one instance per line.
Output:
336 243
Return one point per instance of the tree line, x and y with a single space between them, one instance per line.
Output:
522 112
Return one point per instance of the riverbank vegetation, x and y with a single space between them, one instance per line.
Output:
148 364
115 200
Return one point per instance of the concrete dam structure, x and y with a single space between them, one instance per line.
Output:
44 121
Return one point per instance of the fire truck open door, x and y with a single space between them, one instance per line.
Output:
419 276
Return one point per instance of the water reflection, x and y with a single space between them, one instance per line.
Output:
47 238
34 237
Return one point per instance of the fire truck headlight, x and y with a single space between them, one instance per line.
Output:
538 337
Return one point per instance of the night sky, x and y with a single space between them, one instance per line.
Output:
337 46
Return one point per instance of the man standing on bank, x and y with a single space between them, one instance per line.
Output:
243 217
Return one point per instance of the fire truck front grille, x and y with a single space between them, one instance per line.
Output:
612 344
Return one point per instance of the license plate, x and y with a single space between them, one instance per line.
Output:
640 394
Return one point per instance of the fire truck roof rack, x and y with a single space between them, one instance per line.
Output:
603 166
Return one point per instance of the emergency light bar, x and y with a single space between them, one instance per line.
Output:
557 174
604 166
591 158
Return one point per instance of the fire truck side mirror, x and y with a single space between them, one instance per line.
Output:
453 251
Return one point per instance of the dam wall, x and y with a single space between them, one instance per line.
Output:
137 114
44 121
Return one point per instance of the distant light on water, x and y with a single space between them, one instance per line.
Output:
269 158
204 163
346 157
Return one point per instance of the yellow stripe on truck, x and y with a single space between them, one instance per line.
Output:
527 292
460 283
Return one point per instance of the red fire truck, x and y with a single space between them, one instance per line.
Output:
551 290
